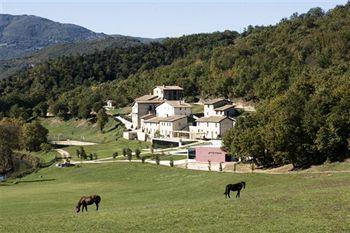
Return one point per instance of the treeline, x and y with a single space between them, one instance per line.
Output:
45 83
17 135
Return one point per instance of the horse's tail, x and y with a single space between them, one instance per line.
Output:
226 190
243 184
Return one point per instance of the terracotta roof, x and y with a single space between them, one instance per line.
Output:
170 87
156 101
214 101
215 119
164 119
147 116
225 107
146 98
178 104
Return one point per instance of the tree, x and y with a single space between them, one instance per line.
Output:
46 147
82 153
6 147
157 158
125 151
138 153
77 153
102 119
40 110
129 154
34 134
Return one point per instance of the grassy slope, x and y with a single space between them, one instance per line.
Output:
197 108
138 197
46 156
80 130
107 149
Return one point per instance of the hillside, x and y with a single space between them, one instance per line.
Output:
297 71
20 34
12 66
146 198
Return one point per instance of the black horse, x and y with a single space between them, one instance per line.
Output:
234 187
88 200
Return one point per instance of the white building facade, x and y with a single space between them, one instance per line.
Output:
173 108
211 127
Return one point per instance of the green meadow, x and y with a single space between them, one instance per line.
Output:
81 130
149 198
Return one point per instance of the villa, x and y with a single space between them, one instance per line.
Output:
164 114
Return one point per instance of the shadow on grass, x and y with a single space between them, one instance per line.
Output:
8 183
32 181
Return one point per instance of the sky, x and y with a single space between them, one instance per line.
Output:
164 18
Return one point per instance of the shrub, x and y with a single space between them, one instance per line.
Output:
137 153
157 158
114 155
129 154
83 154
77 152
125 151
45 147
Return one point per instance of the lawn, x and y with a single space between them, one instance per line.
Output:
46 156
197 108
150 198
82 130
107 149
120 111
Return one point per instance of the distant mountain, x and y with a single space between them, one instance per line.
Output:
11 66
23 34
26 40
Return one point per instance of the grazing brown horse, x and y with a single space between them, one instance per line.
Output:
88 200
234 187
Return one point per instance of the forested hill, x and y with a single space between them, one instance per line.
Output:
12 66
20 34
298 70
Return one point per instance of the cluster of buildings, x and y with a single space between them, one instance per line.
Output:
164 114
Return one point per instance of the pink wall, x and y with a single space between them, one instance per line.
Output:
214 154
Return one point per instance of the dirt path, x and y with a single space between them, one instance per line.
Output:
64 154
73 143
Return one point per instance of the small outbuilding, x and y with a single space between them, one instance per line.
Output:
213 154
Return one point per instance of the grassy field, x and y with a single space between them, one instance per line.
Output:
46 156
81 130
147 198
108 142
107 149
